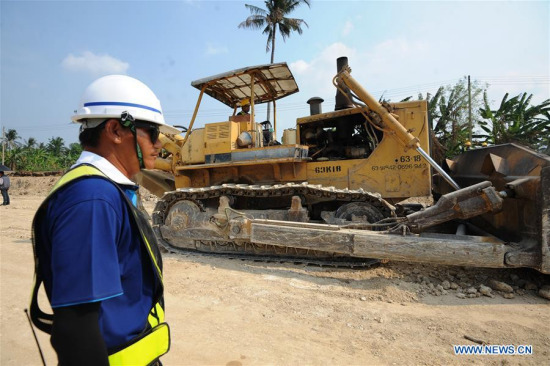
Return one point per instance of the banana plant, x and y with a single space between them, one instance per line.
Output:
448 118
516 120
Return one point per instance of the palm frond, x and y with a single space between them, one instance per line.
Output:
273 18
256 10
253 21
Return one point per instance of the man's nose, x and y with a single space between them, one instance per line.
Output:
158 144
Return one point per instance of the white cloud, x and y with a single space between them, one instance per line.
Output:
324 61
95 64
391 64
212 49
299 67
315 77
348 27
398 55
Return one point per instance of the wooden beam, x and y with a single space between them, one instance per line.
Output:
461 251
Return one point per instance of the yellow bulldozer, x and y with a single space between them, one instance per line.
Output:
342 187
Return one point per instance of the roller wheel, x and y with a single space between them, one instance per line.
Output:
359 210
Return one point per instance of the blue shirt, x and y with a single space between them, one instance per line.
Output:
90 250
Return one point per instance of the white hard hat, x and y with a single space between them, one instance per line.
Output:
110 96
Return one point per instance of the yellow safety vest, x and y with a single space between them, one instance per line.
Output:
155 340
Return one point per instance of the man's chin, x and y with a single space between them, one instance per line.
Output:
149 164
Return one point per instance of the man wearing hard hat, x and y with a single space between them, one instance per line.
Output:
94 250
245 107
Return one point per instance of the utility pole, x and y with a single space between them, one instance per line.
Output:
469 110
3 142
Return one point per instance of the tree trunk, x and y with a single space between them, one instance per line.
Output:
272 60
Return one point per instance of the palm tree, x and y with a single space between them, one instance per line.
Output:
272 19
56 146
11 138
30 143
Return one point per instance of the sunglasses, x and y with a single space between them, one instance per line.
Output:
152 129
128 120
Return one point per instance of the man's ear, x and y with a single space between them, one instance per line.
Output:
114 131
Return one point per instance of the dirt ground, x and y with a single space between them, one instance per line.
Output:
233 312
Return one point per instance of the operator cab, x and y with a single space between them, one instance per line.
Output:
240 138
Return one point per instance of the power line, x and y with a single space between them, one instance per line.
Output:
206 113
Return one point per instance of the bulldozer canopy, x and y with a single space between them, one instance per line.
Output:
271 82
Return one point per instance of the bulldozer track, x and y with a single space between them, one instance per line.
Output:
267 253
337 262
265 191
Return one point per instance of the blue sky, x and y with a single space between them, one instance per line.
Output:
51 50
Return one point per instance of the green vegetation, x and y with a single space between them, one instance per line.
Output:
34 157
516 120
448 115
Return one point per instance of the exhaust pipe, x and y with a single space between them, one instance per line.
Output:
315 106
342 101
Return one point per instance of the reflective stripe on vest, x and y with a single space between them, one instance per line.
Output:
149 345
146 349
